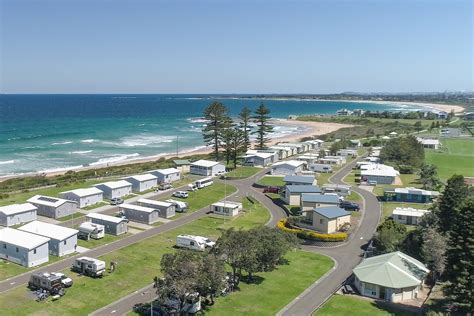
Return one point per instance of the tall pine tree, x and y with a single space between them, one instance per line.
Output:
460 268
262 118
245 116
218 120
455 192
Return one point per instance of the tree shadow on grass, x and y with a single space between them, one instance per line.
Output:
255 279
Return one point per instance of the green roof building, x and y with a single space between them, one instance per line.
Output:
394 277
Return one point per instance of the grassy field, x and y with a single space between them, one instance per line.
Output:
275 181
206 196
243 172
346 305
277 288
137 265
93 243
52 191
455 157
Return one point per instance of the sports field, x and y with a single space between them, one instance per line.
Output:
456 156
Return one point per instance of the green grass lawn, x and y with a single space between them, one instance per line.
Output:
72 216
52 191
346 305
206 196
353 197
277 289
455 157
93 243
137 265
243 172
274 181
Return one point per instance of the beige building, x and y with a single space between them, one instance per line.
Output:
394 277
329 219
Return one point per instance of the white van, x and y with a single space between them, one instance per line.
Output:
198 243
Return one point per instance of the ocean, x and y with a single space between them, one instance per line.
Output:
43 133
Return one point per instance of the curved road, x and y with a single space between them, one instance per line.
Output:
346 256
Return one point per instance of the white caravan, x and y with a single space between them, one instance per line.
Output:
198 243
180 205
88 230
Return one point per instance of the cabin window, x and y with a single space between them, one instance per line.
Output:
34 251
4 246
17 250
370 289
400 216
321 221
65 241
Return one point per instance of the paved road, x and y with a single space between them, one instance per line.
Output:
347 256
147 294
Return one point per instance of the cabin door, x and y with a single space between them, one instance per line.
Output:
382 292
409 220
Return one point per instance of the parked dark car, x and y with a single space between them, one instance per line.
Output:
116 201
349 206
271 190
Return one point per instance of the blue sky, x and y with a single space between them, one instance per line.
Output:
200 46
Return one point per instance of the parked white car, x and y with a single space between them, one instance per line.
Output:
181 194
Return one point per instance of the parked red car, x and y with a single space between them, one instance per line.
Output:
271 190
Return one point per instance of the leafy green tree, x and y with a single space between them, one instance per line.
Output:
262 118
390 236
403 151
460 268
180 271
418 126
429 177
245 117
218 121
433 251
454 194
211 280
232 246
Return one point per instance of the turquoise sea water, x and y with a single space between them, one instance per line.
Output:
55 132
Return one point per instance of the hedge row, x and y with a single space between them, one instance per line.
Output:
305 234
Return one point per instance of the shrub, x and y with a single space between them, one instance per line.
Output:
309 235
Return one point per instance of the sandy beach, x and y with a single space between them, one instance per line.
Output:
311 129
432 106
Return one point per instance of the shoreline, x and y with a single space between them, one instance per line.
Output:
311 129
434 106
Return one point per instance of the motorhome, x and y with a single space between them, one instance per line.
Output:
89 230
89 266
46 281
202 183
198 243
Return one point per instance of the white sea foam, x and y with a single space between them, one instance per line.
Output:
197 120
80 152
61 169
87 140
113 159
7 162
146 140
61 143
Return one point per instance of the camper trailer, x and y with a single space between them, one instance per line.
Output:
89 266
194 242
180 206
89 230
46 281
